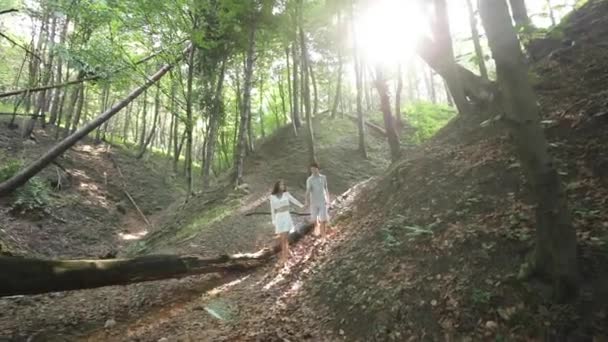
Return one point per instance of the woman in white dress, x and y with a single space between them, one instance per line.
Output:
280 201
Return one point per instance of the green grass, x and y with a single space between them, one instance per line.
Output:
427 118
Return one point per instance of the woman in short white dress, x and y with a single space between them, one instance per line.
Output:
280 201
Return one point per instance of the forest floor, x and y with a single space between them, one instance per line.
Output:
431 250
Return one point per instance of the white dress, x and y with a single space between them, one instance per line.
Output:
282 220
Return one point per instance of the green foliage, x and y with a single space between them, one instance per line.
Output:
481 297
9 169
33 196
427 118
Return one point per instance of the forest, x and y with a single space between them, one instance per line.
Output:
462 142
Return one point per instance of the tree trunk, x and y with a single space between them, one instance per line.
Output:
389 122
551 13
315 108
189 123
246 106
334 107
79 107
289 91
443 40
476 42
36 166
431 85
144 147
358 71
69 115
142 137
556 255
398 97
214 123
520 13
26 276
261 109
312 154
296 104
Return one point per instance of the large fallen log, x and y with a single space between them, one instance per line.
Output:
28 276
371 125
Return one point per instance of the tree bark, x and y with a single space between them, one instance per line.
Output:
476 42
289 90
214 123
334 107
358 71
79 107
27 276
144 115
189 123
443 39
389 122
398 97
556 251
36 166
246 106
312 154
519 12
315 108
295 93
146 143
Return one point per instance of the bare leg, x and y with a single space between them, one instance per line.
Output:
284 247
323 225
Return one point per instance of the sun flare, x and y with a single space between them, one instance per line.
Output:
389 30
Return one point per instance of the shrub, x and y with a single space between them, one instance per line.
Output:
33 196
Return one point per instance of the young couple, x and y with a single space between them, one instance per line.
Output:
317 199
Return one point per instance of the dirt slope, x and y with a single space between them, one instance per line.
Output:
209 224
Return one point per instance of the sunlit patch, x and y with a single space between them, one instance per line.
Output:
216 291
389 30
133 236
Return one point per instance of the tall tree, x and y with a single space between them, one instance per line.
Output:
476 41
312 154
214 123
359 85
556 255
189 121
245 109
520 13
389 120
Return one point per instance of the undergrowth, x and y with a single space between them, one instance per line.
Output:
34 196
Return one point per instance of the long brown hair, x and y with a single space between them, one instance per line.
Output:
277 187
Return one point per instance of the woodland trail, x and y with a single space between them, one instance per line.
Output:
176 308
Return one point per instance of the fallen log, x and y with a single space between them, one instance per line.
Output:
29 276
371 125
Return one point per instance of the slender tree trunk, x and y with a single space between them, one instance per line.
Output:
296 86
283 102
551 13
246 106
56 107
389 122
312 154
144 146
70 111
431 85
142 137
79 107
556 246
334 107
315 107
189 123
289 90
214 123
520 13
36 166
476 42
358 76
125 127
398 97
261 109
448 69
